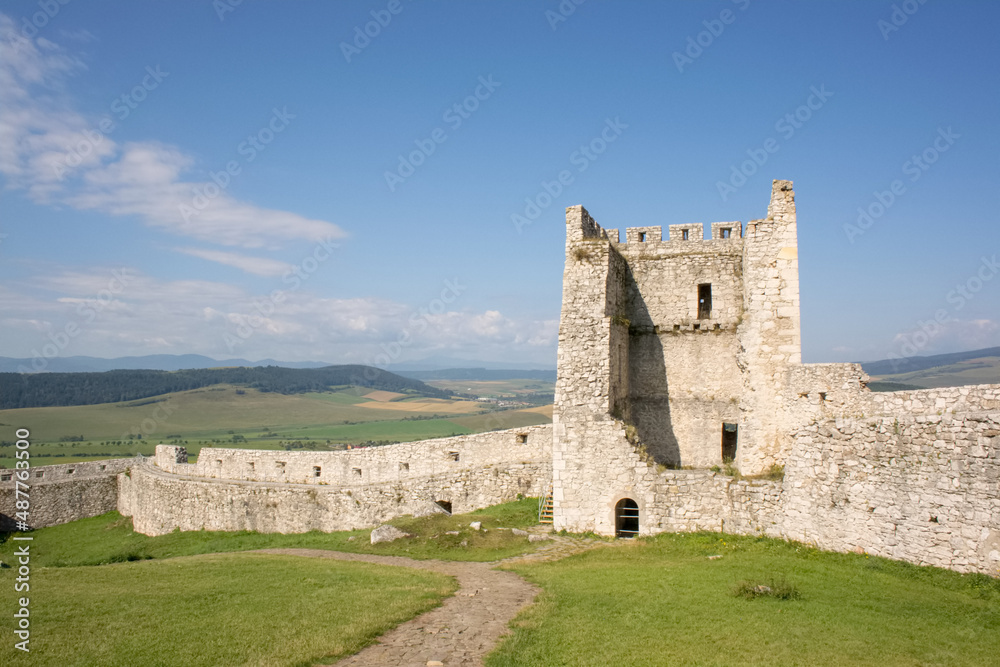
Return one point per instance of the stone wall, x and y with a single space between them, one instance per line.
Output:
368 465
770 331
924 489
61 493
269 491
971 398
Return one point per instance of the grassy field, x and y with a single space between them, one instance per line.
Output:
661 601
232 609
227 416
105 595
110 539
494 388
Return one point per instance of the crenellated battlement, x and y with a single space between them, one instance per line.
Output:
692 232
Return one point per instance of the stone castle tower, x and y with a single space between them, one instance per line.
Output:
678 351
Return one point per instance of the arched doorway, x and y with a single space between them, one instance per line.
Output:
626 518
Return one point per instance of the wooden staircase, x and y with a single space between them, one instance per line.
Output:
545 507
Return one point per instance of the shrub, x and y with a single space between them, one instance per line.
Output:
778 588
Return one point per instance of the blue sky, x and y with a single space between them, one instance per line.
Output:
226 179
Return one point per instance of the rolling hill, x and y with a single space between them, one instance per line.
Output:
940 370
22 390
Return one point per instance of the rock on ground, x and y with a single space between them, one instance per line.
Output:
387 533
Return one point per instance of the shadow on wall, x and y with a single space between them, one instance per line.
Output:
648 394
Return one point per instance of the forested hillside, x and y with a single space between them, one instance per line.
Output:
19 390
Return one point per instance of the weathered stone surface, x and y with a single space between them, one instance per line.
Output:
646 382
62 493
387 533
476 525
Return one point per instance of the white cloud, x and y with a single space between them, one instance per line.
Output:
121 311
57 155
258 266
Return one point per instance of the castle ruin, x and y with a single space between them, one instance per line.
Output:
677 356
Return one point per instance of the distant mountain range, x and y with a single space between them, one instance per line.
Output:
177 362
912 364
939 370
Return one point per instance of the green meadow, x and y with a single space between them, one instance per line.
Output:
227 416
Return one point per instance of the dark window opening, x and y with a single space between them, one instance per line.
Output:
444 504
70 471
727 232
252 465
356 471
103 467
39 474
454 456
317 471
730 434
822 396
626 518
280 465
218 462
5 478
684 235
705 301
404 466
522 438
642 237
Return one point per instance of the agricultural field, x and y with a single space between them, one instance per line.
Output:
228 416
495 388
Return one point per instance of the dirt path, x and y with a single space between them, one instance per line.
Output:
467 625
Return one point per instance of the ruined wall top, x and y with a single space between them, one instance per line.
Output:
580 226
782 206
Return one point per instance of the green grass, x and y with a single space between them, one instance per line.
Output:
494 388
201 416
661 601
400 430
109 538
236 609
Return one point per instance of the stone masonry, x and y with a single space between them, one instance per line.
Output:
678 355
